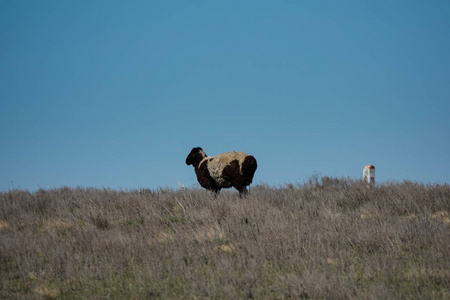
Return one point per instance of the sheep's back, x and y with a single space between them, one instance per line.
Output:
217 163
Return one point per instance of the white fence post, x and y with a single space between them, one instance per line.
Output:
369 174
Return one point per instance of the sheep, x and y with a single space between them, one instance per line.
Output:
229 169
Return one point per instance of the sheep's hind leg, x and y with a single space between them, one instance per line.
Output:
243 192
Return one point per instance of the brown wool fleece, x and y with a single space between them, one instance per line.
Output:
229 169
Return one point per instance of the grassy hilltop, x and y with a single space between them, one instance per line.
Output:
325 239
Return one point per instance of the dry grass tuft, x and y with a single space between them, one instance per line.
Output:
46 293
55 225
4 225
329 238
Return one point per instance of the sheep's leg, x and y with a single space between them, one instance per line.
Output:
215 191
243 192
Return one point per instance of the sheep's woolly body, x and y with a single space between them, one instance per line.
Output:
216 165
229 169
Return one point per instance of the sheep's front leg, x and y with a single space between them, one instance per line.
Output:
216 192
213 189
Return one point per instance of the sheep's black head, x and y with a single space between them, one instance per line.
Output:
196 155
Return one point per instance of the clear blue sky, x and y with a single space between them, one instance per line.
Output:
116 93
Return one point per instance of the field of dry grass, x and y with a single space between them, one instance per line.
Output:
324 239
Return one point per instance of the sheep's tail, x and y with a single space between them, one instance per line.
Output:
249 167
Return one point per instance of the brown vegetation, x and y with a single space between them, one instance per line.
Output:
325 239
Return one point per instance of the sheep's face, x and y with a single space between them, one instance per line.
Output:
196 155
